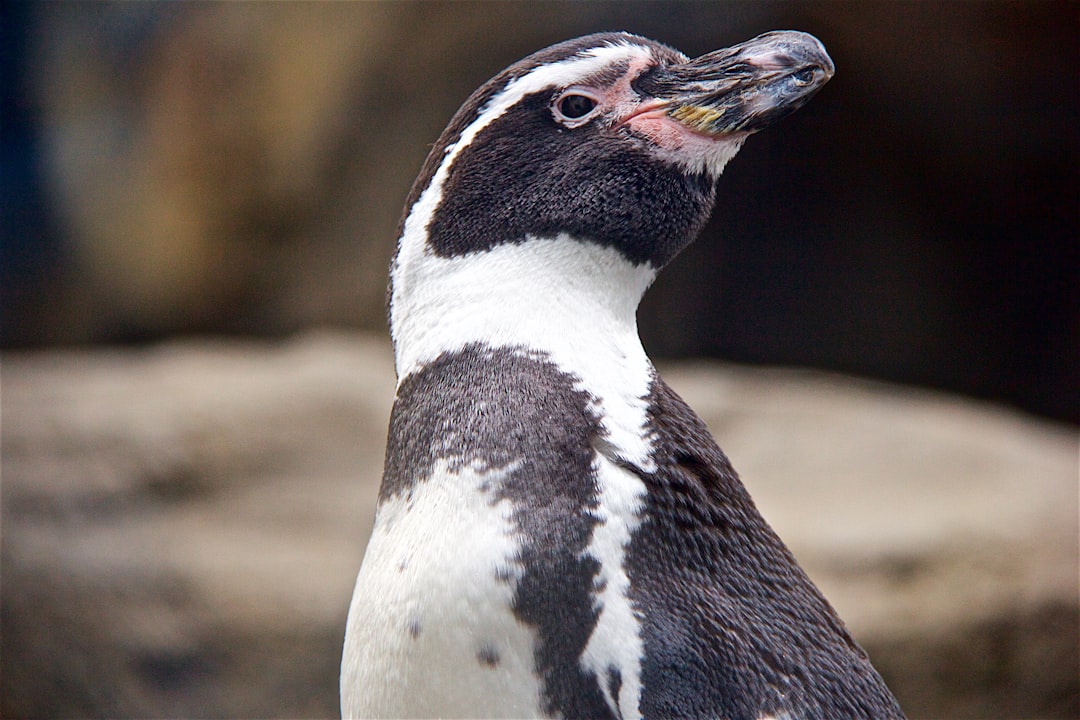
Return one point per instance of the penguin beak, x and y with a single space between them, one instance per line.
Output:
744 88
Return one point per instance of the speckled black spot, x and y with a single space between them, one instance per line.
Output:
414 628
487 655
732 626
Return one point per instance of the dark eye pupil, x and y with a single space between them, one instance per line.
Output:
575 106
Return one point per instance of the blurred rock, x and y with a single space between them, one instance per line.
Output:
182 525
944 531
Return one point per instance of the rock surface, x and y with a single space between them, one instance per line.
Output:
182 525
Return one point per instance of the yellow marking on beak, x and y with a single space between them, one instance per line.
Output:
697 117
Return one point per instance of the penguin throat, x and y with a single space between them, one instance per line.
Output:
542 294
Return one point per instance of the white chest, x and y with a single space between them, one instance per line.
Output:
431 631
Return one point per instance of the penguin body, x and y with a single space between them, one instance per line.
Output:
557 533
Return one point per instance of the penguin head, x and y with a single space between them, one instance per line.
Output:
611 138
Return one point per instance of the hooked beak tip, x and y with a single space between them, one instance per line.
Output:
747 87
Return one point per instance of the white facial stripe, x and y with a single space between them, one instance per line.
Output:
561 74
567 72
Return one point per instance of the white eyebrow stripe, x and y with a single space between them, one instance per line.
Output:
414 236
564 72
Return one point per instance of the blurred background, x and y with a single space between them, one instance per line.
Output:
212 173
202 168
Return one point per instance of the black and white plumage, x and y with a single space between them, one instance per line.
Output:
557 533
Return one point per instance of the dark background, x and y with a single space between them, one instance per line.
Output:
239 169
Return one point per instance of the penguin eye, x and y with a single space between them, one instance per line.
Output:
574 106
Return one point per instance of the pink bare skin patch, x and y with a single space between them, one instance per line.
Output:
668 138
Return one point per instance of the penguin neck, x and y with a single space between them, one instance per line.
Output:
570 302
540 295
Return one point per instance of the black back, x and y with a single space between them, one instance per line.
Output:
733 627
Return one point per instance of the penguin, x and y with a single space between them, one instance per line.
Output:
557 533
